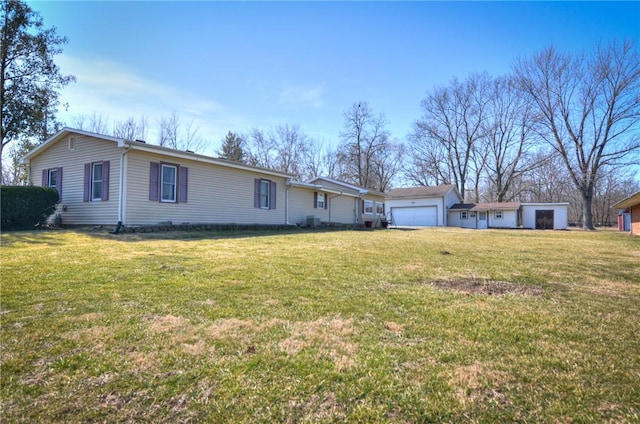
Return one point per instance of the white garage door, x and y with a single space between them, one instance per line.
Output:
416 216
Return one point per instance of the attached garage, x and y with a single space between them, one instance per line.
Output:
415 216
420 206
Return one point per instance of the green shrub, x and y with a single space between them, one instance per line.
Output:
24 207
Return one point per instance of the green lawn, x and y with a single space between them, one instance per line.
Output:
434 325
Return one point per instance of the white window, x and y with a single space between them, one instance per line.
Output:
368 207
265 191
464 215
168 183
498 214
320 204
96 181
380 208
52 180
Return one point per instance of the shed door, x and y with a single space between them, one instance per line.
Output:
418 216
544 219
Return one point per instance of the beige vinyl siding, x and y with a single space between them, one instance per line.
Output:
343 208
301 206
216 194
85 150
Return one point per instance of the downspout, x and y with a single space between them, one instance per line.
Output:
286 204
121 188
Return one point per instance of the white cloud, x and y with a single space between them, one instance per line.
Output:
302 96
114 92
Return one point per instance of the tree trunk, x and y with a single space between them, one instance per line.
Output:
587 215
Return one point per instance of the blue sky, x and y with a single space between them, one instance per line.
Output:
239 65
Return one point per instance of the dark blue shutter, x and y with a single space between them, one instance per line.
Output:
105 181
154 181
326 200
45 178
87 182
184 180
315 199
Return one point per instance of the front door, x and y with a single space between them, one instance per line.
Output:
544 220
482 220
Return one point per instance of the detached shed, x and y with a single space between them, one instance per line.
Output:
545 216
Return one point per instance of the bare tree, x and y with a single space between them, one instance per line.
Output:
177 135
284 148
509 138
588 110
364 143
95 123
131 129
451 127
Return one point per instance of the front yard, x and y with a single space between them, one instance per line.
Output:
434 325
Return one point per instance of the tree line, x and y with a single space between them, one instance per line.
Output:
559 127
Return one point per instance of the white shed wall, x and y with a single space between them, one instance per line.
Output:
509 219
560 214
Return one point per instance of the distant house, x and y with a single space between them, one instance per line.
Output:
485 215
104 180
629 217
538 216
421 206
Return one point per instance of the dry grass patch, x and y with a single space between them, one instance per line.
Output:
476 383
488 287
329 336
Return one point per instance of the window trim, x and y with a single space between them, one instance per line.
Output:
371 207
175 182
96 197
50 172
498 214
464 215
265 193
321 200
379 208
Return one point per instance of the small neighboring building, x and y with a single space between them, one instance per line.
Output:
485 215
545 216
629 218
421 206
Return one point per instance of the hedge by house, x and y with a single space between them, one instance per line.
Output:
24 207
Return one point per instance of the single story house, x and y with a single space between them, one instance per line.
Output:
629 219
104 180
421 206
485 215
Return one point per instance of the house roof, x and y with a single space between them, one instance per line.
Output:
633 200
322 188
360 190
485 206
143 146
417 192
